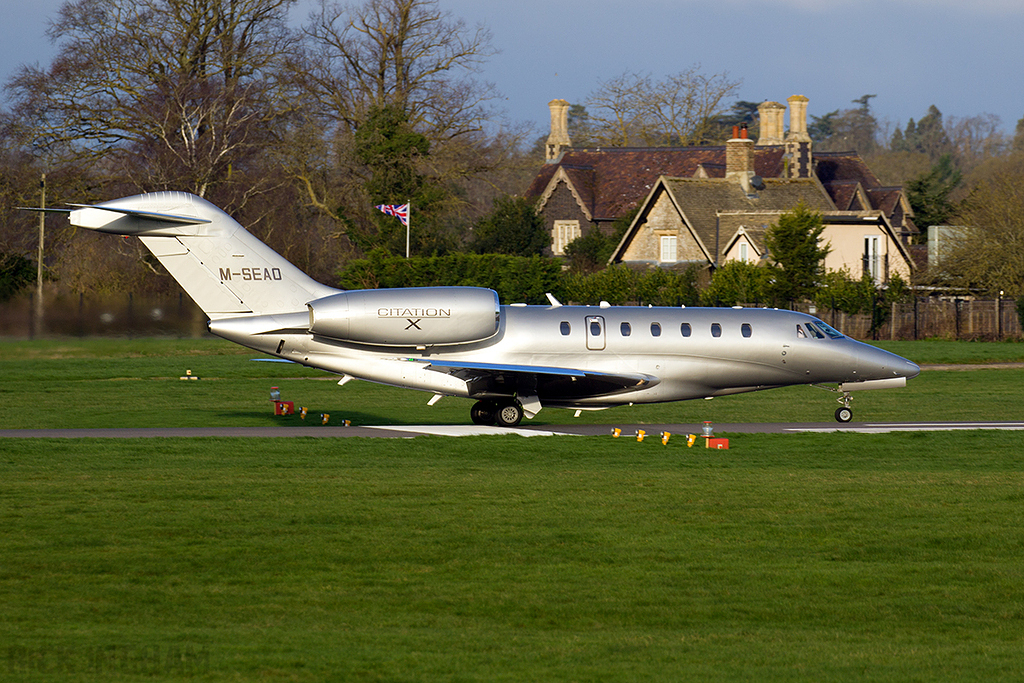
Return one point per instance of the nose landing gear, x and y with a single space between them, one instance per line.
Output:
844 413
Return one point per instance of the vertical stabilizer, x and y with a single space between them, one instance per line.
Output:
223 267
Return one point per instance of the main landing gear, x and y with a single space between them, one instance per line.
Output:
503 413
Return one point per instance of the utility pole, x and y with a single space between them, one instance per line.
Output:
39 257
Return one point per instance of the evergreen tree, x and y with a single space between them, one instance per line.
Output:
929 193
513 228
391 152
796 253
388 146
16 273
927 136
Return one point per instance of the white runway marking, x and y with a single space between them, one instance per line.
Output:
883 428
464 430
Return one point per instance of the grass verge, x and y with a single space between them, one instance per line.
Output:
803 557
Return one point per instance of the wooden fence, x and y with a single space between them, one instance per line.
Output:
966 319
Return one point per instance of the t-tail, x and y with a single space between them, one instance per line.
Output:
223 267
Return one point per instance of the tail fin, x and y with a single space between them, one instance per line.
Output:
225 270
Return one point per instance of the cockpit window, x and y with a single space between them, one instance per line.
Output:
830 331
818 330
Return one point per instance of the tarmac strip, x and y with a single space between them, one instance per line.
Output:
411 431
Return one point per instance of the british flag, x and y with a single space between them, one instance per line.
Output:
401 212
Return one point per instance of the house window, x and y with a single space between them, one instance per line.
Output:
744 252
873 257
668 248
563 233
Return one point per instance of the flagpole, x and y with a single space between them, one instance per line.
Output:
407 221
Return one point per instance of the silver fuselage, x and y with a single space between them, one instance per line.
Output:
776 353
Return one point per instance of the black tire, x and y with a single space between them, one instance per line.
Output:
483 413
844 414
509 414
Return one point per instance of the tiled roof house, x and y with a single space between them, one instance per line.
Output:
717 201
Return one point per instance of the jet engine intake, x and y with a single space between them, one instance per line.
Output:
415 316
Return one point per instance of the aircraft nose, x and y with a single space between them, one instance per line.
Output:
875 363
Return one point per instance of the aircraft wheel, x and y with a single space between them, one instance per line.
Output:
483 413
844 414
509 414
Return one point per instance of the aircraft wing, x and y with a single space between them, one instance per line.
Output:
551 384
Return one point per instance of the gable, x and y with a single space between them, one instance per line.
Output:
659 218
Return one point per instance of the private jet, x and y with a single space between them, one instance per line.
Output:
513 360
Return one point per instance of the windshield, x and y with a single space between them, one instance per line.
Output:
823 329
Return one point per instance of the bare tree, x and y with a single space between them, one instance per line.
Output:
976 139
990 253
406 55
620 111
401 53
173 91
682 109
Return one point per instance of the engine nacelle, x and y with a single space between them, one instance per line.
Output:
415 316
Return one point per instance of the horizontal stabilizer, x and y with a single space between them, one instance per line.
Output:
40 209
149 215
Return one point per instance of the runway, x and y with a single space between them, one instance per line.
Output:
525 430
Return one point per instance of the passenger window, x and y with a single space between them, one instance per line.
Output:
625 329
595 328
685 329
716 330
565 329
745 329
655 329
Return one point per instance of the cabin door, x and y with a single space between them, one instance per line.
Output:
595 333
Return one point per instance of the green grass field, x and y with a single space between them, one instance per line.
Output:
891 557
112 383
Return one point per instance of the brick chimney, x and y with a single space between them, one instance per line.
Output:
771 115
739 158
559 137
798 142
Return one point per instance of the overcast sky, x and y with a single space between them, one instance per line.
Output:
964 57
